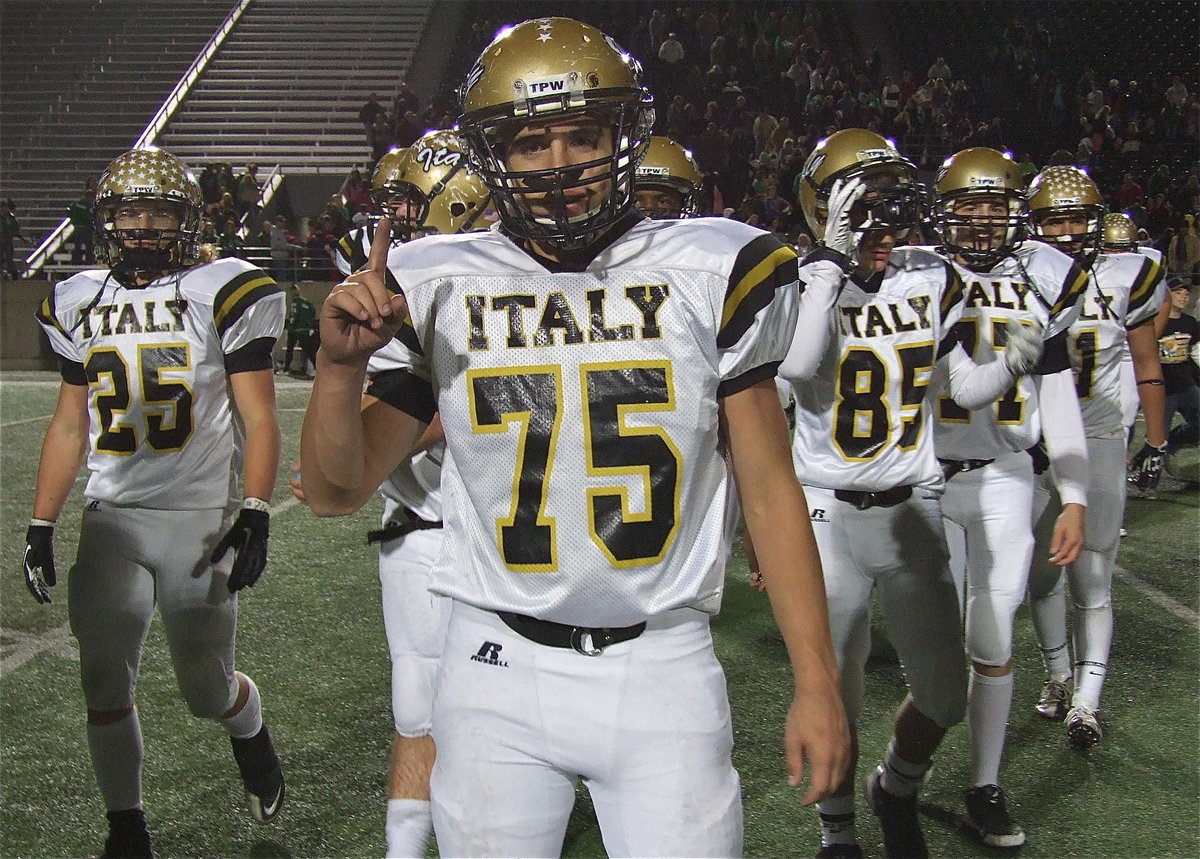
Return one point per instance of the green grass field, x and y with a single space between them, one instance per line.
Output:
311 634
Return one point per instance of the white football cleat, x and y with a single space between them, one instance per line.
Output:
1055 698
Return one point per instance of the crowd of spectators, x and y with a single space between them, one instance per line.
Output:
751 88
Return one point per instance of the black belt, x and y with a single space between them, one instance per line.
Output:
951 467
867 500
588 640
394 529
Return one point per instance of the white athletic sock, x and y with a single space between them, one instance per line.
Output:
1093 640
1049 616
246 722
901 777
836 814
409 822
116 750
988 703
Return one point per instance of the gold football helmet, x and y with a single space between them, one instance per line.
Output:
1120 234
894 197
443 195
155 176
555 68
967 183
669 167
383 177
1064 192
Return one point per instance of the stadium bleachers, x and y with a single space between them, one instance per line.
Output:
79 85
288 83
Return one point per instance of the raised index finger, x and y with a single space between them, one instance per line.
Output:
380 244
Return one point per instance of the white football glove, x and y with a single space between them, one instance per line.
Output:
1024 347
839 234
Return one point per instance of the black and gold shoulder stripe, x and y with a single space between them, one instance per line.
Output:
407 335
239 295
1073 287
351 246
954 292
762 267
47 315
1145 285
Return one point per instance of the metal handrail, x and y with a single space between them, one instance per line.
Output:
59 235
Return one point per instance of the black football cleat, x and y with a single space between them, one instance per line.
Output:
261 774
128 837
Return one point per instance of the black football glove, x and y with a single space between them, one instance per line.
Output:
40 575
1146 467
248 539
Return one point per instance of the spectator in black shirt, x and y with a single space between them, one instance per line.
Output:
1177 347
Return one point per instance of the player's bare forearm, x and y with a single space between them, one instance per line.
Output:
331 443
776 515
1147 369
348 448
63 450
254 396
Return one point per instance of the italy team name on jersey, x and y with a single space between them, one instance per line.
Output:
1036 285
862 419
1124 291
586 405
163 431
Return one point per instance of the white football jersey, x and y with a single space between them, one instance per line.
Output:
585 407
417 482
1036 285
1124 290
164 433
863 419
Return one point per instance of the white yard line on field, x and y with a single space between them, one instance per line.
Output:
1156 596
33 420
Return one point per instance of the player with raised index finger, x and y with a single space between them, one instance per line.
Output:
581 359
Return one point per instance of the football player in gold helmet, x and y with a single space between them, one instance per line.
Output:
979 214
979 206
430 189
578 356
168 396
424 189
864 451
1066 210
1124 293
668 181
1120 234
